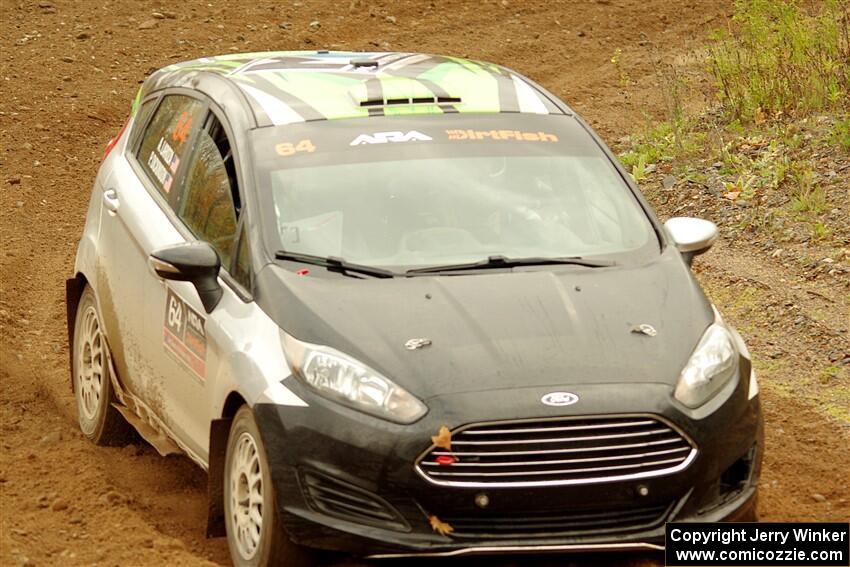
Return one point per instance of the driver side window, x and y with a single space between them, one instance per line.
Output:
209 202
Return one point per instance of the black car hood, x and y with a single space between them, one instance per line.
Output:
544 326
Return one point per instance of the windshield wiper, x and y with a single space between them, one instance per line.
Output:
334 264
503 262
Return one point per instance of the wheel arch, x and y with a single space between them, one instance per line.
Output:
232 403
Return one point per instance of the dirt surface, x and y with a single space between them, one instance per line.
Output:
69 71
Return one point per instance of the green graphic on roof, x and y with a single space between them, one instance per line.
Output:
300 86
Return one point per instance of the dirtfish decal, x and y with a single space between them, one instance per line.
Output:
515 135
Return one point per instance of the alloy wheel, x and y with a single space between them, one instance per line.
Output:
246 495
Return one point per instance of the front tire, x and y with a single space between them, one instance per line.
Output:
255 535
99 421
751 514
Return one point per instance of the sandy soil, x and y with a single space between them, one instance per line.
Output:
68 71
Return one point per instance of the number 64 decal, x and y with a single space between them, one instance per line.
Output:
183 334
175 313
286 149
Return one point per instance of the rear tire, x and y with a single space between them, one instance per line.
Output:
99 421
255 535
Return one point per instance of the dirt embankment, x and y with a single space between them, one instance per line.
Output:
69 71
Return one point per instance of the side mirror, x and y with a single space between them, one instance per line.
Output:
195 262
692 236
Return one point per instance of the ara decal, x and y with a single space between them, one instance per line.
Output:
385 137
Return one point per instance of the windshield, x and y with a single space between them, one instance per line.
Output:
430 197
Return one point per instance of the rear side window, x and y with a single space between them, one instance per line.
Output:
208 200
142 116
164 144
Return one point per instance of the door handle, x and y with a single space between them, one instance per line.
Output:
110 200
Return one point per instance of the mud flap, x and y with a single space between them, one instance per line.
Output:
73 291
219 431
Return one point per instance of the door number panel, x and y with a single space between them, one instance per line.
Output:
183 334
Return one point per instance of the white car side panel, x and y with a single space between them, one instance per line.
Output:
244 352
244 355
177 395
256 366
119 274
86 258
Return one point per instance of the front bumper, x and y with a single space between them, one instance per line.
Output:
741 508
341 450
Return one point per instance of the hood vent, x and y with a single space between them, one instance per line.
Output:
438 100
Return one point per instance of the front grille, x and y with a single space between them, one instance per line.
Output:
558 451
582 523
342 500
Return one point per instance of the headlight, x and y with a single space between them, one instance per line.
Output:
343 379
713 363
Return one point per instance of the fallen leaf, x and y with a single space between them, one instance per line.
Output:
732 195
443 439
439 526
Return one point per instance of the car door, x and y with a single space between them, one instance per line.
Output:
139 182
187 345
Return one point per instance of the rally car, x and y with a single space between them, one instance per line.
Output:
400 304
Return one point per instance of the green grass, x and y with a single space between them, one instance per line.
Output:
839 134
777 58
820 231
766 155
783 75
665 142
767 365
808 198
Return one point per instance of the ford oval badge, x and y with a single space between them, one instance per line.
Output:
559 399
